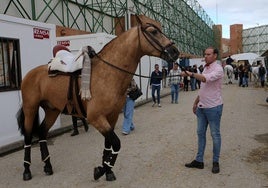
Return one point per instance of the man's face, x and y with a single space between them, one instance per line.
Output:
210 57
156 67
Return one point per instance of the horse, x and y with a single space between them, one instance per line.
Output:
228 74
112 70
255 73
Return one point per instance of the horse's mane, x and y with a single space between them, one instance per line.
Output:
112 42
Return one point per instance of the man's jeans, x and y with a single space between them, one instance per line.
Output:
157 89
193 83
211 116
245 81
175 92
128 115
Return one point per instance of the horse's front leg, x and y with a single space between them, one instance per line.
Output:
44 149
112 147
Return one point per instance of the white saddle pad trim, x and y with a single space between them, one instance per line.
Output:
66 62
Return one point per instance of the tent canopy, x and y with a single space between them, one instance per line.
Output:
245 56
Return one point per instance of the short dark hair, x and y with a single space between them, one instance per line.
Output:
215 50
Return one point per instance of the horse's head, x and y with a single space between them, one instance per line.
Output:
154 42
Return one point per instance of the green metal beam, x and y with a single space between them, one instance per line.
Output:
184 21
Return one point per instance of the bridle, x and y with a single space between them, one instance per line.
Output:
151 39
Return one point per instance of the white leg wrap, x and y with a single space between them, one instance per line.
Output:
46 158
27 162
27 146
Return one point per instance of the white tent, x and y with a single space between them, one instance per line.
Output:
250 57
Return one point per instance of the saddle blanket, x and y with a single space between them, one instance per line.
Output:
65 61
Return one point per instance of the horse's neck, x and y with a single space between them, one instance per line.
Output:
122 52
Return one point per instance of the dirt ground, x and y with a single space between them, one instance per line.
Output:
154 154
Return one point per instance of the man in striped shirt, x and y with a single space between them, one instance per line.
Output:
174 79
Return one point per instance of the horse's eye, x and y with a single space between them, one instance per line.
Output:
154 31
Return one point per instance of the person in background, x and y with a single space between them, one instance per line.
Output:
199 71
262 73
193 80
208 107
128 110
164 77
229 60
155 84
240 75
245 75
174 79
186 80
75 127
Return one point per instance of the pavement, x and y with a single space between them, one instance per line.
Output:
154 154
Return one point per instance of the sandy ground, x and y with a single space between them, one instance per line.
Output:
154 154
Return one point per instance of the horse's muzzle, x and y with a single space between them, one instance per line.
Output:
170 54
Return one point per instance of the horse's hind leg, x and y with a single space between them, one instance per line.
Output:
110 152
50 117
27 120
27 175
44 149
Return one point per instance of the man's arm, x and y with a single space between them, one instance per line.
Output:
195 104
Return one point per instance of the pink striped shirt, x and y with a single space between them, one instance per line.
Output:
210 94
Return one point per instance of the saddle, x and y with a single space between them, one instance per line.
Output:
64 61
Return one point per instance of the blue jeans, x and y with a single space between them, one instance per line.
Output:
245 81
211 116
175 92
157 89
128 115
193 84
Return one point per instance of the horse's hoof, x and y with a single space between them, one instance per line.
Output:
110 176
48 171
27 176
98 172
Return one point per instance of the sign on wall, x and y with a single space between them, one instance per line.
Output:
40 33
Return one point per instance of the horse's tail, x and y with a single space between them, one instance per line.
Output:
21 126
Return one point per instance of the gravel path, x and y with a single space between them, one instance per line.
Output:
154 154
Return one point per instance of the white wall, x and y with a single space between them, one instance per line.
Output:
33 52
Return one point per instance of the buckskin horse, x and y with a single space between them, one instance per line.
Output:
111 72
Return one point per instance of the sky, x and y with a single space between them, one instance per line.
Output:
250 13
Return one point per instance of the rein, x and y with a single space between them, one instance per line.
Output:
118 68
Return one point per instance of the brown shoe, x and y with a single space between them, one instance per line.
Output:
195 164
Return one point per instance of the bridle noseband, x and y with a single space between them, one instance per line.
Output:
153 41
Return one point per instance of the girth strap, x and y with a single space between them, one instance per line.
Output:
74 90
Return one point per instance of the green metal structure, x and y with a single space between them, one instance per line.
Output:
255 39
184 21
